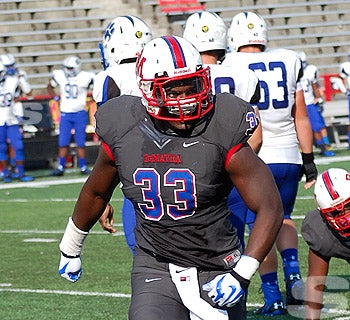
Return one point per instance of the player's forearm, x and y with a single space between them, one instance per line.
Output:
304 133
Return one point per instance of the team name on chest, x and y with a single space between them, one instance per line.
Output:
159 157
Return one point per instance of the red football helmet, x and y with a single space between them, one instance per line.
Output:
174 84
332 195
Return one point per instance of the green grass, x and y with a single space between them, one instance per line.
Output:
32 221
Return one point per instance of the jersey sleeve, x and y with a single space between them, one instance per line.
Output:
115 118
237 119
319 237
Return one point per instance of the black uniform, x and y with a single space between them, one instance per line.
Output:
179 186
322 239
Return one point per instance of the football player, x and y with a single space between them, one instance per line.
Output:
12 85
326 230
286 130
208 33
123 40
314 104
344 72
177 153
73 84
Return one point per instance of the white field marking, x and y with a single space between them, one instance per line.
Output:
47 240
70 293
328 160
49 200
118 233
124 295
40 184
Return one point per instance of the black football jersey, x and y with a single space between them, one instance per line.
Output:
178 183
321 239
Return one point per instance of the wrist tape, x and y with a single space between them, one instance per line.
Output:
72 240
246 267
308 157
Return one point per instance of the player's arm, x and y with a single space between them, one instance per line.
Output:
257 187
91 203
305 137
96 192
317 272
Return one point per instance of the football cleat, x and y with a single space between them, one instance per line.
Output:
276 308
6 179
57 173
294 290
25 178
328 153
85 171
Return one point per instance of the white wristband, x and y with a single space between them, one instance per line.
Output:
72 240
246 266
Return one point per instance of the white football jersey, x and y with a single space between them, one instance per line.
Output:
310 77
344 71
278 72
10 89
123 75
241 82
73 89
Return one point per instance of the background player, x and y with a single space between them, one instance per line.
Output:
73 84
175 156
314 104
344 72
12 84
286 130
123 40
208 33
326 230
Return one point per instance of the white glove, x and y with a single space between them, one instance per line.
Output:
228 288
71 246
224 289
70 268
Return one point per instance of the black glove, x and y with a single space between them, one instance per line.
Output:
320 105
308 168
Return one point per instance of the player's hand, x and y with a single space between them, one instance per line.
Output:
320 106
309 169
70 268
106 220
224 289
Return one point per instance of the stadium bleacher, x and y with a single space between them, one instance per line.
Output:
37 34
41 36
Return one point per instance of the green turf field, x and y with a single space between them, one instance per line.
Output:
32 220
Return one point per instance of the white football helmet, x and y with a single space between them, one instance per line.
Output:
123 39
172 62
206 31
2 72
247 28
9 62
71 66
303 58
332 195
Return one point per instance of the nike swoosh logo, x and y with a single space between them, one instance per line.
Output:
152 279
186 145
179 271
